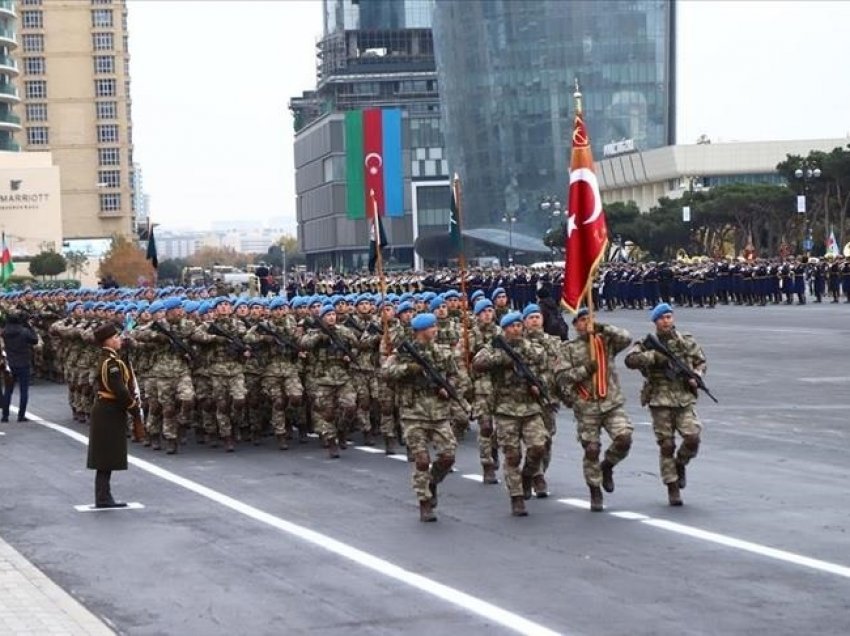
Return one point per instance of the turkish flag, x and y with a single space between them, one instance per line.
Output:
587 232
373 158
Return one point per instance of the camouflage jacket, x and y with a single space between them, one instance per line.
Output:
661 387
553 346
511 394
448 332
577 385
168 360
329 367
481 335
417 395
223 357
272 359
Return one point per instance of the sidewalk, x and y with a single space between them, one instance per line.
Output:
32 604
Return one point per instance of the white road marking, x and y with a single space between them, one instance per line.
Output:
722 539
473 477
837 379
134 505
487 611
313 435
398 458
2 433
369 449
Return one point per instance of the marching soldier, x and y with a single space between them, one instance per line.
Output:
483 332
671 398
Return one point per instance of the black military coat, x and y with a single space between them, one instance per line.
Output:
108 433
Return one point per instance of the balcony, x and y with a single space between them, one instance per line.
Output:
9 121
7 7
8 65
9 94
9 146
7 39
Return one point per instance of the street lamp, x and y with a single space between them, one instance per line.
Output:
510 219
805 176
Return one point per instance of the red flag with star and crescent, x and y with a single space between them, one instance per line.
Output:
587 231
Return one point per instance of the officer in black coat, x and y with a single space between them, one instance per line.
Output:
18 341
108 433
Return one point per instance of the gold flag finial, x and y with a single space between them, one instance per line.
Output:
577 96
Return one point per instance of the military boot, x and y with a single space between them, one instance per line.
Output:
489 476
367 438
333 449
200 437
229 444
156 444
541 488
607 475
518 506
282 443
596 499
342 440
673 495
170 446
526 486
682 478
147 441
389 445
426 513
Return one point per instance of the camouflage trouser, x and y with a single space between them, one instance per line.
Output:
362 387
460 420
205 401
419 434
552 428
482 409
333 409
276 390
666 421
588 429
514 432
172 400
386 399
83 395
229 394
257 411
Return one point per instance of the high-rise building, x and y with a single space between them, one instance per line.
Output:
507 71
75 102
10 123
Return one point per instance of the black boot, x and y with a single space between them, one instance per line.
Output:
103 492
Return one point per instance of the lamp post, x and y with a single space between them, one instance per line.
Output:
805 176
549 202
510 219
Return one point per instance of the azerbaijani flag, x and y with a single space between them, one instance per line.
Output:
831 244
7 267
373 162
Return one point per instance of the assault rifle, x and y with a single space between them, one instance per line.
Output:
236 343
352 324
178 344
336 341
284 342
676 368
522 369
436 378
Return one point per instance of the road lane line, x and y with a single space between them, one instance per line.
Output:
369 449
398 458
487 611
725 540
474 477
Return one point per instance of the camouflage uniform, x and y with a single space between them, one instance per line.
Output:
205 402
256 411
425 416
225 368
482 406
592 412
552 345
449 335
333 394
519 415
142 362
372 343
671 403
169 388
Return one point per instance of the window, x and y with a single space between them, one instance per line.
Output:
31 3
35 89
103 41
108 156
110 202
107 110
34 65
32 19
36 112
104 88
101 1
104 63
109 178
101 17
107 134
37 136
33 42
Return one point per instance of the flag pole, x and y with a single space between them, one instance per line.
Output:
457 193
379 265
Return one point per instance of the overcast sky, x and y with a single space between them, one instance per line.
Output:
211 81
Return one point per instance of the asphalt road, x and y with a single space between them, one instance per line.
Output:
269 542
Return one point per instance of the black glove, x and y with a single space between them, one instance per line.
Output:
591 367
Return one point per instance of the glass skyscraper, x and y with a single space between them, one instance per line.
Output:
506 71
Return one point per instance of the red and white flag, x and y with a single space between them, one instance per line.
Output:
587 231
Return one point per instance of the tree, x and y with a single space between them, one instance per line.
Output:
208 256
171 269
125 263
288 245
77 261
47 263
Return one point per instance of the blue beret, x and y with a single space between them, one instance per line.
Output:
326 309
364 298
581 313
660 310
437 302
406 296
314 300
427 296
533 308
203 308
278 302
476 295
510 319
423 321
452 293
156 306
191 306
392 297
497 292
336 299
405 306
171 303
482 304
351 298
